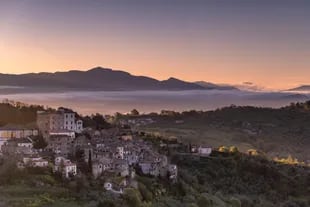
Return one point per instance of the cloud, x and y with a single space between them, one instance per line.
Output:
250 86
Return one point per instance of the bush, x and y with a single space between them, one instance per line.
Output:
146 194
132 198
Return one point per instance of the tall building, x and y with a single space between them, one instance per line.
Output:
61 120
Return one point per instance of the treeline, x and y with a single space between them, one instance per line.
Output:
18 113
232 109
242 180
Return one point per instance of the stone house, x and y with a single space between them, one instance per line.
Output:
119 154
65 167
98 167
79 144
120 167
33 162
150 168
16 132
22 146
204 150
60 145
62 119
173 171
201 150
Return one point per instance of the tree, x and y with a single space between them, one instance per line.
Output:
233 149
134 112
146 194
106 203
223 149
133 198
252 152
39 142
96 121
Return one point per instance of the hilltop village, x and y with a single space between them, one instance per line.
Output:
61 142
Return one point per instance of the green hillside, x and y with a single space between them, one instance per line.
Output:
222 180
276 132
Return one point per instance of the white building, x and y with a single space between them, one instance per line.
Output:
65 167
79 126
69 121
67 133
63 119
33 162
119 153
108 186
173 171
27 143
2 142
205 151
99 167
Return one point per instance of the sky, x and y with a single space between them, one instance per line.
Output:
266 42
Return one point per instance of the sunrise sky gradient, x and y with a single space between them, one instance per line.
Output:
223 41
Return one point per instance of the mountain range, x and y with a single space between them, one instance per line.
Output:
104 79
101 79
301 88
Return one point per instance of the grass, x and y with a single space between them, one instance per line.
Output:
21 195
275 143
202 135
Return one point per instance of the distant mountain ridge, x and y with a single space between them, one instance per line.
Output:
211 86
301 88
95 79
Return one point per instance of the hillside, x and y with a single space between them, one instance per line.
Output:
94 79
275 132
209 85
18 113
301 88
222 180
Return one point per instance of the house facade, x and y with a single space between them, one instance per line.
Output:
61 145
204 150
62 119
16 132
65 167
34 162
22 146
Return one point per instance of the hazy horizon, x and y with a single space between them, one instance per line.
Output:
110 102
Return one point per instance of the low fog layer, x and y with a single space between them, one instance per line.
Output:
155 101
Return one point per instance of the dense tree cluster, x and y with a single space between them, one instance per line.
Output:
96 121
18 113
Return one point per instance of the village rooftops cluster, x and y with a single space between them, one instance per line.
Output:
116 150
10 131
